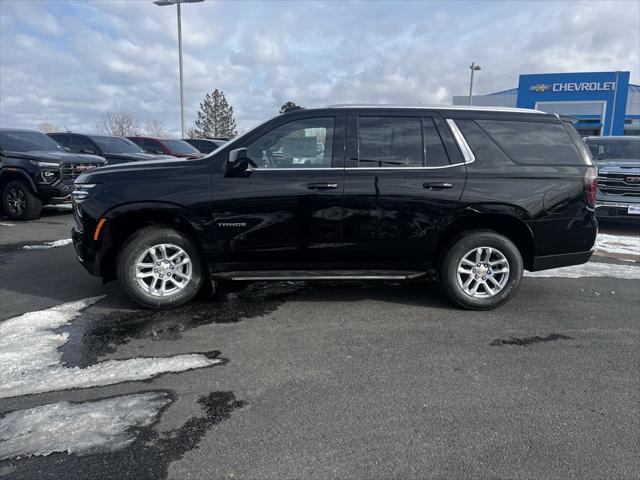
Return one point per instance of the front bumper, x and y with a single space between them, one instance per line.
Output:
616 209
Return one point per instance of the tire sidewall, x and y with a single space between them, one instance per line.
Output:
143 240
466 243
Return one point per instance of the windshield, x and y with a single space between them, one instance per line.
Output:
27 142
179 146
116 145
615 149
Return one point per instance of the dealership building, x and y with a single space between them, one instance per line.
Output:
604 103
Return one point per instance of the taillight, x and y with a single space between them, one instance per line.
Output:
591 186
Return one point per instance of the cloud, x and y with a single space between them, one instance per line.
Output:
74 60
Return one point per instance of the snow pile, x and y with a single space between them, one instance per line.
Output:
79 428
47 245
31 363
618 244
591 269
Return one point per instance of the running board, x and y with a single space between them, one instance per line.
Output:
319 275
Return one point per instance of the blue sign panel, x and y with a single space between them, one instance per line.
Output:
611 88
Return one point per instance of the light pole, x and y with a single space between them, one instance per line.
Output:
164 3
473 68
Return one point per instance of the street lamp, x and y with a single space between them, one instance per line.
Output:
165 3
474 68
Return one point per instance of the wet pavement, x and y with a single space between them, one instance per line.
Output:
346 380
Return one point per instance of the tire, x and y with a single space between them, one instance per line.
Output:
503 255
148 291
19 202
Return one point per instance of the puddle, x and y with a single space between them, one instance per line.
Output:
93 335
524 341
148 456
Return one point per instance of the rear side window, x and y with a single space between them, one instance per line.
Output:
436 154
534 143
389 142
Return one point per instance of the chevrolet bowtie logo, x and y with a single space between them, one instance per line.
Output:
540 87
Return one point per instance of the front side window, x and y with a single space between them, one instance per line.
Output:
306 143
389 142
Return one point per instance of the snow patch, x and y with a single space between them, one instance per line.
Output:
618 244
79 428
591 269
57 243
31 363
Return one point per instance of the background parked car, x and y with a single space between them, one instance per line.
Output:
35 170
113 149
618 162
206 145
177 148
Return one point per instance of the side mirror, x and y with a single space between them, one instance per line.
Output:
158 151
67 149
88 150
239 163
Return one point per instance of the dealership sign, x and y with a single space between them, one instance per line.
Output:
575 87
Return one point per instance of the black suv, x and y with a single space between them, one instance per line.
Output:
349 192
114 149
35 170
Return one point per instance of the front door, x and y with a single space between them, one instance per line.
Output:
404 177
285 213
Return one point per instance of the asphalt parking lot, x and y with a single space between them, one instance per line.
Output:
291 380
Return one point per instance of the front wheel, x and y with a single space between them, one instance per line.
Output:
19 202
481 270
160 267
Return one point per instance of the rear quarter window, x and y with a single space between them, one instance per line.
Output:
533 143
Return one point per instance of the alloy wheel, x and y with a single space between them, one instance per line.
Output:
483 272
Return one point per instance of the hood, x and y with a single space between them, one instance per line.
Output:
138 157
618 163
55 156
131 168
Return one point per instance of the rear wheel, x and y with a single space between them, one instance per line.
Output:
19 202
160 267
481 270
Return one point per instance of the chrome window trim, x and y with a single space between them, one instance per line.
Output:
467 153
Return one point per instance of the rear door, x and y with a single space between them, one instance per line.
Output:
286 212
404 178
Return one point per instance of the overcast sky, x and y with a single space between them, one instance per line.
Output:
67 62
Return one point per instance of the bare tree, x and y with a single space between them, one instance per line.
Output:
155 128
120 123
192 133
48 127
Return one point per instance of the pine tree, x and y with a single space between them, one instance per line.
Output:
289 107
215 117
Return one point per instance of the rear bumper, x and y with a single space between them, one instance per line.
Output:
562 260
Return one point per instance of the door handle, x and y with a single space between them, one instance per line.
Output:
436 186
322 186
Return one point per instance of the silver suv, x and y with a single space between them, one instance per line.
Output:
618 162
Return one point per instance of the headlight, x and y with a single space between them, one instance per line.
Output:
47 176
82 191
45 164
